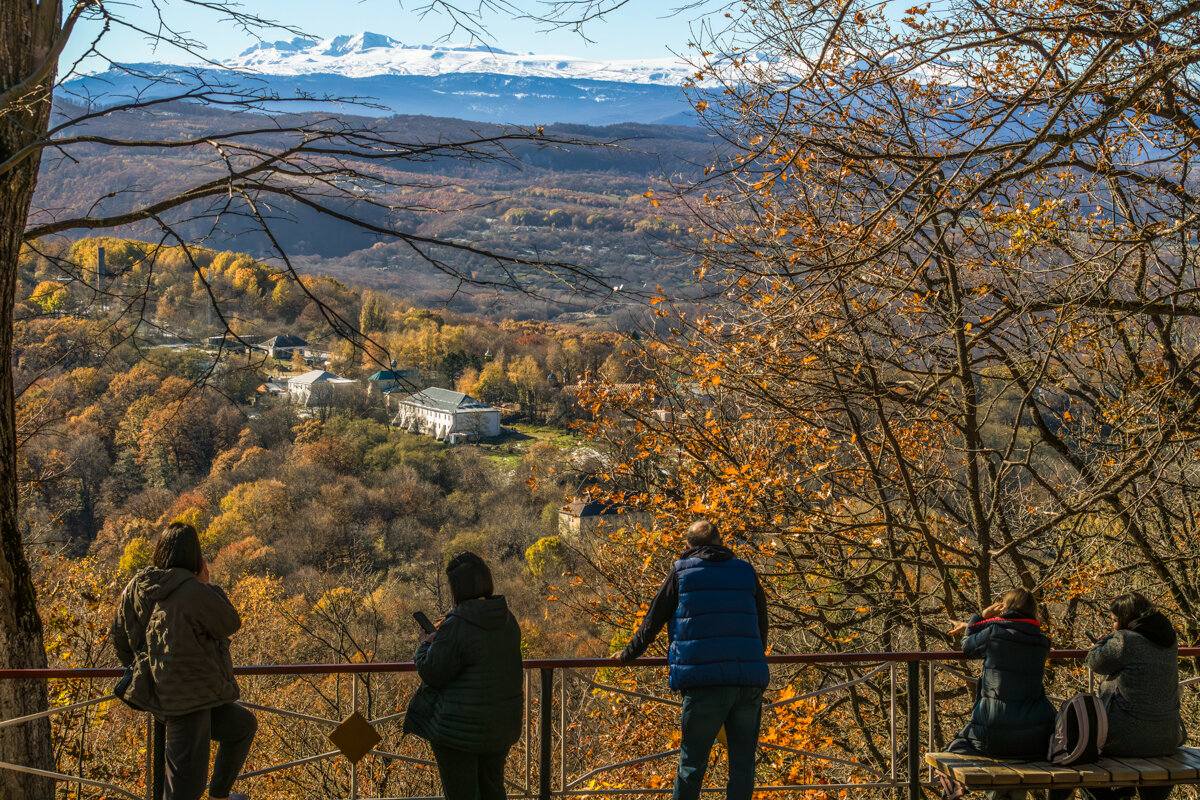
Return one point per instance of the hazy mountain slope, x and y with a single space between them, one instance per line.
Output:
579 204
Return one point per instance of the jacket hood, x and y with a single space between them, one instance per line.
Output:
1016 628
1155 627
709 552
489 613
155 584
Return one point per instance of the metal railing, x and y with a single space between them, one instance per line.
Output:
831 722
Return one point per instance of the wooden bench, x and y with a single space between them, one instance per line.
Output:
978 772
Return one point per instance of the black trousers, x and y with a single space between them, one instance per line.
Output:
470 776
188 736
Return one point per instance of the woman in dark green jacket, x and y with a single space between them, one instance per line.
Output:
471 698
172 628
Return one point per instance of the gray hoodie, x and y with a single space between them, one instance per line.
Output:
183 628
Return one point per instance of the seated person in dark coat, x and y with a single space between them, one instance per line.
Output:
1012 717
1139 664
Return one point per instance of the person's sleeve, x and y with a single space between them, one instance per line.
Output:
1108 656
440 661
218 616
662 608
760 601
117 633
978 636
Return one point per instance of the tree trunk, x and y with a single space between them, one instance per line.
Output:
20 626
27 33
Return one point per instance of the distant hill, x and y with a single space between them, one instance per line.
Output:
578 204
465 82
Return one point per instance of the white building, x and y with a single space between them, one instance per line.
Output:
444 414
318 388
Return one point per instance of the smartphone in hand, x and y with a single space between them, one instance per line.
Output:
423 621
1095 639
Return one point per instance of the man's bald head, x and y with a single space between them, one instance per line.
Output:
702 532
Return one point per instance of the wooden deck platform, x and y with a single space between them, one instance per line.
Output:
978 772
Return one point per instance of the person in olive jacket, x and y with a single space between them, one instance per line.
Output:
1139 664
1012 717
470 703
172 627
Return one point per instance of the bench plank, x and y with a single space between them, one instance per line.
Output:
1122 773
995 774
974 770
1147 769
1093 775
1188 756
1177 769
983 772
1058 775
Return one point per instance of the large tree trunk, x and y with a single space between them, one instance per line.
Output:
28 31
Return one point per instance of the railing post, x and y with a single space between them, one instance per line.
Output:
353 709
914 730
159 759
545 733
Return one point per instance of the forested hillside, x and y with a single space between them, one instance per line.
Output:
582 202
129 422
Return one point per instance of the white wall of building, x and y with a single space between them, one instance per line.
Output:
440 424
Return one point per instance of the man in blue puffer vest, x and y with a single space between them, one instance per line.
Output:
716 618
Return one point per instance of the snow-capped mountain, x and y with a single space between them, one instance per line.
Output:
383 74
372 54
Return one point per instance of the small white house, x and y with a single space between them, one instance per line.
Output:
318 388
444 414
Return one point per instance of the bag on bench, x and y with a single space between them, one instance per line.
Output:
1080 730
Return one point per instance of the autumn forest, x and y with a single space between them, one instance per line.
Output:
912 312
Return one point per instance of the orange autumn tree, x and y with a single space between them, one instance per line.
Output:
956 345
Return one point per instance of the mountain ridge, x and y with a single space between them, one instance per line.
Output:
369 73
368 54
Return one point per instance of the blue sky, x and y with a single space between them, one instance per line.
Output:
641 29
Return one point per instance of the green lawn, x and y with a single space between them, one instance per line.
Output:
547 433
509 448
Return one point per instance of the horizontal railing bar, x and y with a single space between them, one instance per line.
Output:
56 710
819 757
296 714
67 778
630 763
384 754
298 762
798 787
545 663
827 690
617 690
440 797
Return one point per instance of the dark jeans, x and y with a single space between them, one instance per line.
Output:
188 737
705 710
470 776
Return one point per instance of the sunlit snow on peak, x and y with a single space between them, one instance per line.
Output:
369 54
